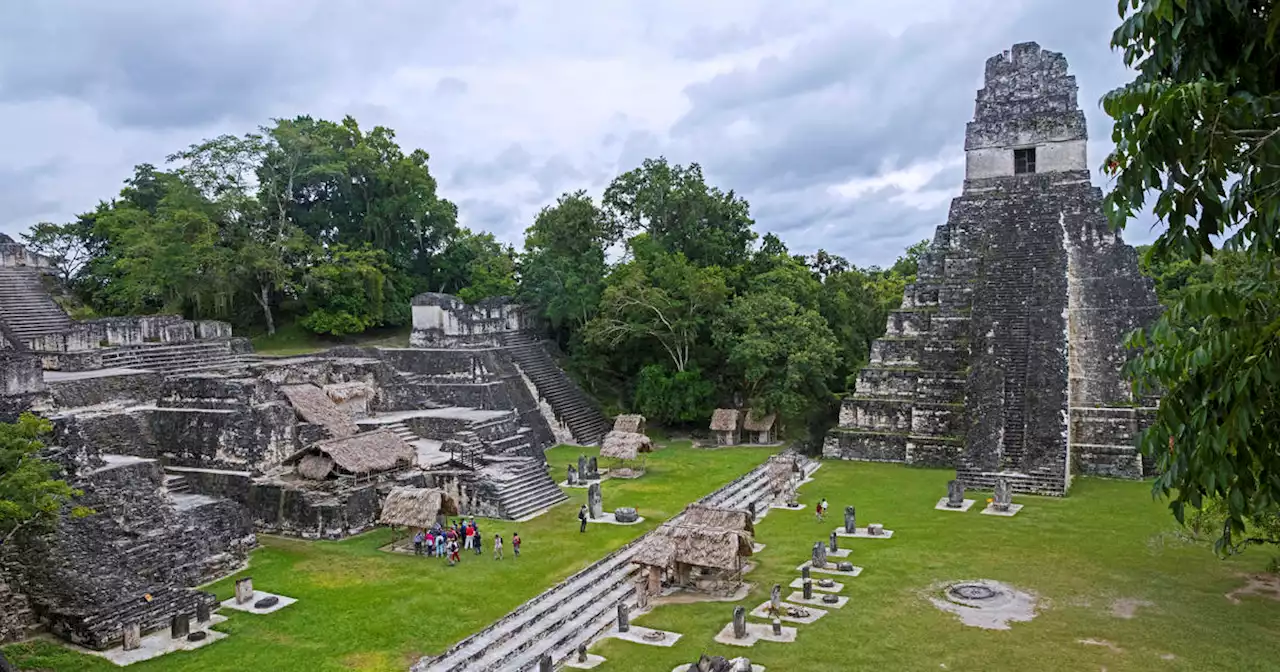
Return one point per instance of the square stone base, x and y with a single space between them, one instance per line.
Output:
592 661
839 553
991 511
784 507
762 611
798 598
942 505
608 518
693 667
636 634
861 533
756 548
159 643
799 584
829 569
230 603
756 632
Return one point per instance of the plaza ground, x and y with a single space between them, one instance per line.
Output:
1091 558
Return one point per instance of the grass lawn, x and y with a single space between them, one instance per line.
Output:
291 339
1108 541
363 609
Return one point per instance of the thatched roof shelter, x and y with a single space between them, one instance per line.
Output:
758 422
625 445
704 515
366 453
712 547
725 420
629 423
416 507
314 405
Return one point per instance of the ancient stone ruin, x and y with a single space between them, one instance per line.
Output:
1005 358
185 444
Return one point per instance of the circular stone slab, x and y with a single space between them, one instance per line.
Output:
266 602
626 514
197 636
844 566
978 594
830 599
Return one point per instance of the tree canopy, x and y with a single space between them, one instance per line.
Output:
31 495
1198 132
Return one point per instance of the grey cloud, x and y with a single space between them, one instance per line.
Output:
21 198
451 86
511 162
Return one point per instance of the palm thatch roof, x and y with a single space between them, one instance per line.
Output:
416 507
314 405
781 470
366 453
725 420
629 423
713 547
705 515
625 445
758 422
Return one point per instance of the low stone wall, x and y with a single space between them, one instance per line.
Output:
221 483
474 495
105 389
280 508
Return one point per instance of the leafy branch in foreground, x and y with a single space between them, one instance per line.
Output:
30 495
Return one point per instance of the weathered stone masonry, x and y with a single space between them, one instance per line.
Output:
1006 356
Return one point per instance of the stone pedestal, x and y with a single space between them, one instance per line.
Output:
132 637
180 626
244 590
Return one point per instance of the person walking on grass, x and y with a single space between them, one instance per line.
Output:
497 547
515 543
453 554
582 519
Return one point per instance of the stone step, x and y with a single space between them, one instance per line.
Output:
472 653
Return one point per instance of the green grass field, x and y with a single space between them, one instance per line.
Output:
1108 541
362 609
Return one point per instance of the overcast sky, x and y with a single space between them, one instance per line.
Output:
840 121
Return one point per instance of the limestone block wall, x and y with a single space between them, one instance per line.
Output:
295 511
445 320
88 578
17 620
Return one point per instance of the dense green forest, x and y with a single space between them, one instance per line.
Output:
662 294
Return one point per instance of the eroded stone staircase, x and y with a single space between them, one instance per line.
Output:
570 404
583 606
523 486
192 357
26 307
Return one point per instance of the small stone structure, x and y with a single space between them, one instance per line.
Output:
1005 358
726 425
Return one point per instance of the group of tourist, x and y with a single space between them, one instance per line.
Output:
820 509
448 541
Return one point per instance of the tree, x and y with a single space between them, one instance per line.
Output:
349 291
31 498
681 213
1199 127
780 353
661 298
563 267
65 244
672 397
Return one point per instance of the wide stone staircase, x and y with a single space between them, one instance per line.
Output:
571 405
523 486
580 608
26 307
192 357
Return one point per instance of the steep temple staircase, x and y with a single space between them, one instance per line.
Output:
26 307
571 405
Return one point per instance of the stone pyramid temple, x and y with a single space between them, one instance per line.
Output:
1006 357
